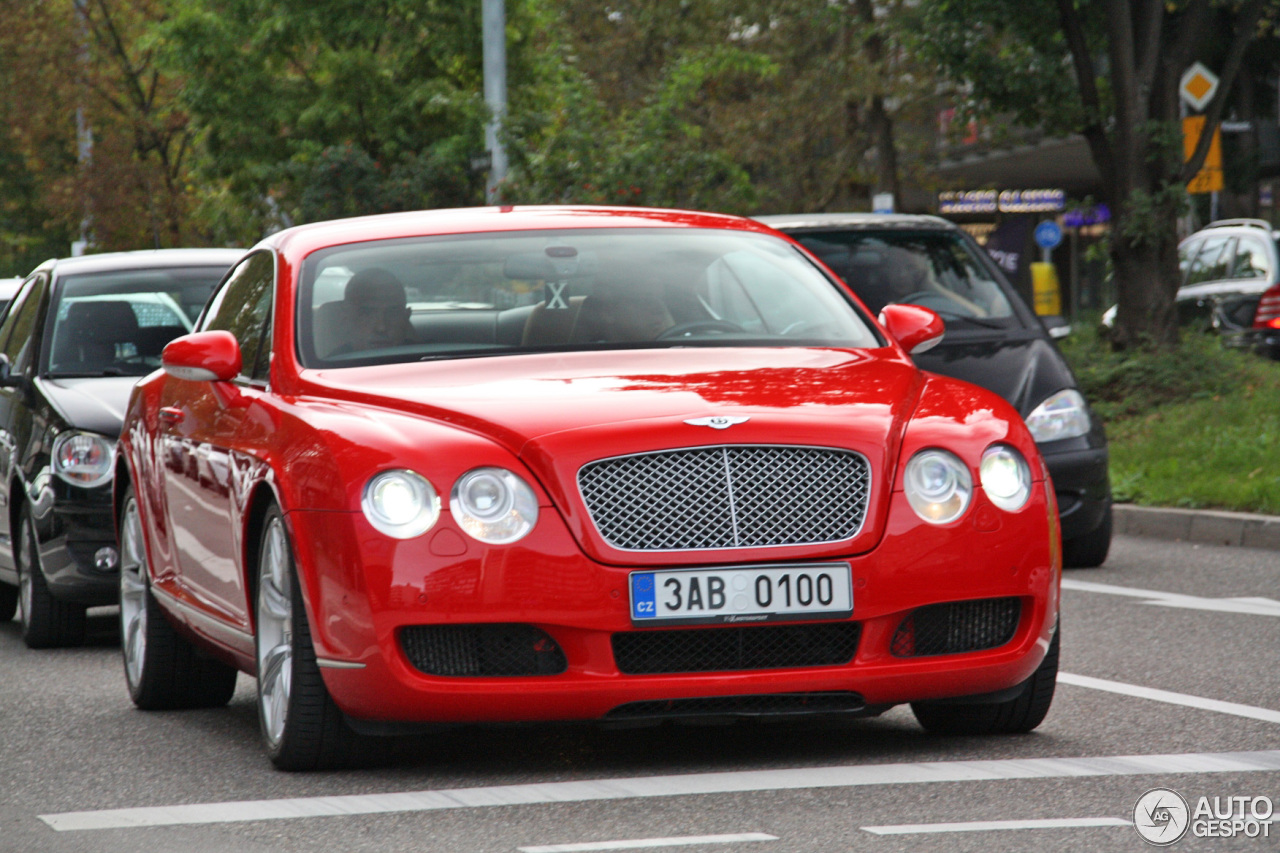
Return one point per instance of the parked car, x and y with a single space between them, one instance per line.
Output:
993 339
633 465
1230 283
78 335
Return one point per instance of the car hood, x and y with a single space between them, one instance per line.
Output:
91 403
1024 370
559 412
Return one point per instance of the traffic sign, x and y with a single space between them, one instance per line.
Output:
1209 178
1198 86
1048 234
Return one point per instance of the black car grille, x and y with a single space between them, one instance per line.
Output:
482 650
958 626
743 648
742 706
747 496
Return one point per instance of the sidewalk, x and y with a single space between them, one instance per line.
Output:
1199 525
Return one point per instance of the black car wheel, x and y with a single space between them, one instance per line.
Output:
1018 715
301 725
162 669
1090 550
46 621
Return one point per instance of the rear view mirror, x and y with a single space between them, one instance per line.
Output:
203 357
915 328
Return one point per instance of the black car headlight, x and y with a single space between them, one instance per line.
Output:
83 458
1061 415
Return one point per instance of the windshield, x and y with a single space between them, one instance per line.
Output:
117 323
529 291
935 269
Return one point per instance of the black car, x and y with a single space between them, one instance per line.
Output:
75 340
993 339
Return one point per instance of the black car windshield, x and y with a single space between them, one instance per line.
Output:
500 293
936 269
117 323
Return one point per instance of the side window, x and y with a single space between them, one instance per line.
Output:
1186 254
1250 260
1210 263
19 331
242 306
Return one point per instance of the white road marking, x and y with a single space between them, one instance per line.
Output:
644 843
1251 605
693 784
1250 711
989 825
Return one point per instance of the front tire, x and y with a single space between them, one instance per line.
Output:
1018 715
8 601
302 727
162 669
47 622
1090 550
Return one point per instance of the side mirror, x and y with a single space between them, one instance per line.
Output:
9 379
1057 326
203 357
915 328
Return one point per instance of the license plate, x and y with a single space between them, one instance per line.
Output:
741 594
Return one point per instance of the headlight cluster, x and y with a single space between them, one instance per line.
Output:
83 459
491 504
1061 415
939 486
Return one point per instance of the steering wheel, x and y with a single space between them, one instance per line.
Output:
683 330
917 298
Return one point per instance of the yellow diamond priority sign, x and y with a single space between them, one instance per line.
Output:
1198 86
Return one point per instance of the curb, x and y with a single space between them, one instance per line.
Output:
1244 530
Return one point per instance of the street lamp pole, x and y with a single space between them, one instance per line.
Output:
494 29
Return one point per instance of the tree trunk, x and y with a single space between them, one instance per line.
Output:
1146 276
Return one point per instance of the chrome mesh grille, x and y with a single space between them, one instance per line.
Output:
727 497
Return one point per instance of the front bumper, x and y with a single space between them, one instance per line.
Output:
363 590
71 532
1082 485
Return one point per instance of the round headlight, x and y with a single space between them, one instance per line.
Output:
401 504
82 458
1005 477
938 486
493 505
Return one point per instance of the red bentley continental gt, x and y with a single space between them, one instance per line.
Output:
522 464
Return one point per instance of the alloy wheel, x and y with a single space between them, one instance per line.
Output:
275 632
133 593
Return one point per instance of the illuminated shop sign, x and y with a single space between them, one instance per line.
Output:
1002 201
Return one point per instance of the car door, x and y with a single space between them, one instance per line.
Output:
199 421
20 345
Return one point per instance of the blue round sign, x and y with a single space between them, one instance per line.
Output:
1048 234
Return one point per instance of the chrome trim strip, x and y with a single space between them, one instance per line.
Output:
204 620
331 663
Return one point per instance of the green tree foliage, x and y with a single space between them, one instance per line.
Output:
311 110
1108 69
740 106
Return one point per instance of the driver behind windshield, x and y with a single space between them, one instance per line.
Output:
621 315
378 312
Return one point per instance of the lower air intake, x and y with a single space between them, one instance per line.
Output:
482 650
957 627
742 648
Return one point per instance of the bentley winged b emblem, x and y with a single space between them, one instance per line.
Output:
717 421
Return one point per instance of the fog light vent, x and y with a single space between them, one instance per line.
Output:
957 627
482 650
